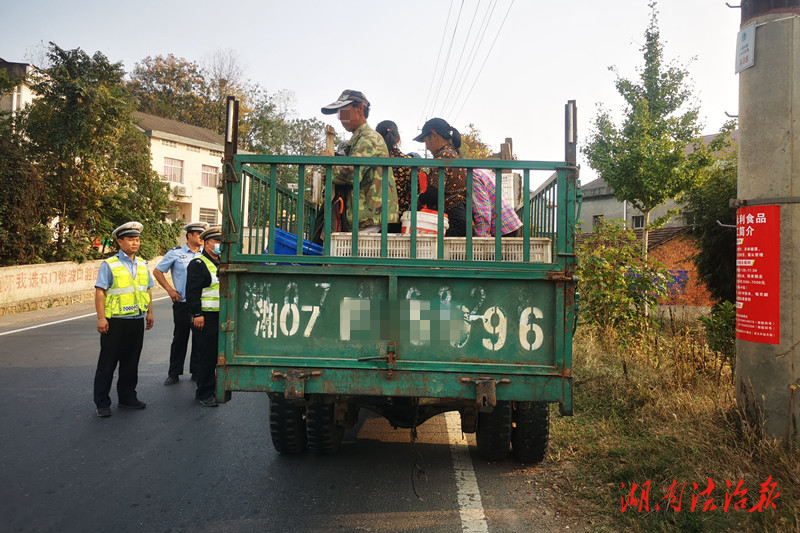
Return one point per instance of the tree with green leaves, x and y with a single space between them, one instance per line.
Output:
472 146
23 231
174 88
178 89
704 206
645 159
270 129
94 163
137 192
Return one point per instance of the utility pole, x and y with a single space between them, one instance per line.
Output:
768 218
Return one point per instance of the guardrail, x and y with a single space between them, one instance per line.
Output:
255 202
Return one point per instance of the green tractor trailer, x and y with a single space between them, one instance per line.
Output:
405 325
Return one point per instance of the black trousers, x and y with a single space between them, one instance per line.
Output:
457 217
122 346
207 360
180 340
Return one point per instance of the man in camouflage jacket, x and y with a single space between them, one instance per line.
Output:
353 110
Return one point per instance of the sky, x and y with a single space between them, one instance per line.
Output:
411 57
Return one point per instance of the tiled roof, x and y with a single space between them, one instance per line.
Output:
594 184
660 236
152 123
656 238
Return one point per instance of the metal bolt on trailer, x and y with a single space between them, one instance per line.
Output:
408 326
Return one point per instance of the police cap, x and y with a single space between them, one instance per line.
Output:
214 232
193 227
129 229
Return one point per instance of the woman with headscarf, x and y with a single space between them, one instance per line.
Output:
444 141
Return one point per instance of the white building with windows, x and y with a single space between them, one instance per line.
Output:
599 204
190 159
22 94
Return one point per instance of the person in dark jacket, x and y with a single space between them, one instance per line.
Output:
202 299
402 175
444 142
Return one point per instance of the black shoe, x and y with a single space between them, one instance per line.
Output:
138 404
171 380
208 402
103 412
194 376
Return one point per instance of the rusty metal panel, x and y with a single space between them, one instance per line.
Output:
345 383
368 321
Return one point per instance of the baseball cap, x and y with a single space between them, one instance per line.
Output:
347 97
439 125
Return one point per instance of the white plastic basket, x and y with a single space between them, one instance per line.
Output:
455 249
369 245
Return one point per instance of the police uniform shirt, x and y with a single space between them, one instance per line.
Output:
105 278
178 259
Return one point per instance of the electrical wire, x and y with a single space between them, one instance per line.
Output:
438 57
473 54
447 58
477 76
460 57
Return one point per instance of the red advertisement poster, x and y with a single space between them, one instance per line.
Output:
758 262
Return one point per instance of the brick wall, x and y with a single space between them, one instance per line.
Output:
676 255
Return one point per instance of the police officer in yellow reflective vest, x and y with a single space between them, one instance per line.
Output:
122 301
202 299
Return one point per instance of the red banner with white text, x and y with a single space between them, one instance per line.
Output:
758 262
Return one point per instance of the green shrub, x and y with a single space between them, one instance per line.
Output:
618 288
720 330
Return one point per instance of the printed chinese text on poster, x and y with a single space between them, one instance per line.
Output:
758 239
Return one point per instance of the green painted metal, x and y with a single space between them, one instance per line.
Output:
350 382
387 325
270 204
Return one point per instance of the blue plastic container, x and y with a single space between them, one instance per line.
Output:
286 244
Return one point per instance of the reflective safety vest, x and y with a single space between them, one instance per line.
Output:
209 298
127 296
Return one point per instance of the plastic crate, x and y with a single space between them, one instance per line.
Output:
455 249
369 245
286 244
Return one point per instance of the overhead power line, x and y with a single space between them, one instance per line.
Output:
478 75
447 58
473 54
460 57
438 57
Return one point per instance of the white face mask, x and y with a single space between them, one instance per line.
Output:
217 249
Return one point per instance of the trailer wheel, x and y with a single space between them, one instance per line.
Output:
494 432
287 425
324 434
530 433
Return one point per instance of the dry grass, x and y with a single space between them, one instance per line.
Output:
668 413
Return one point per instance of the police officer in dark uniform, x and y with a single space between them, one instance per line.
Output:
122 301
202 299
176 261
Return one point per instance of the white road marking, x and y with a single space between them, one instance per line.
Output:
470 507
60 321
